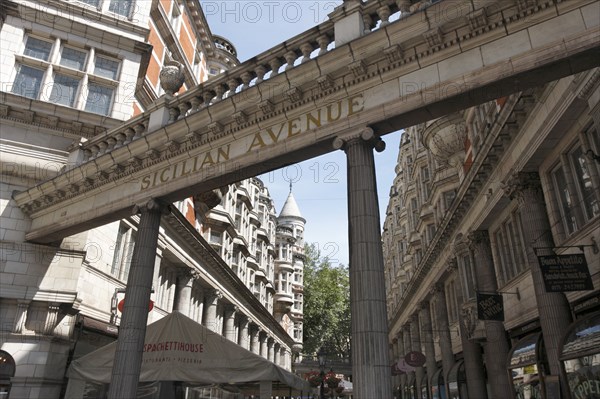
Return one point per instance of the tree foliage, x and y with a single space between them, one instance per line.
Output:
326 305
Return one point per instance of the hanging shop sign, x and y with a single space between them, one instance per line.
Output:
415 359
565 273
490 307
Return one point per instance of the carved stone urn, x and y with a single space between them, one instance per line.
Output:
445 138
171 77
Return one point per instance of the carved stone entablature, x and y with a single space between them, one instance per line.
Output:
294 94
358 68
4 110
153 154
73 188
173 146
240 117
477 19
393 53
266 107
87 182
434 37
29 116
48 199
77 126
523 5
134 163
102 175
589 86
52 120
194 137
117 169
216 128
325 82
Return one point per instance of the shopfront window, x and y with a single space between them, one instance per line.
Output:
457 381
581 358
523 367
437 385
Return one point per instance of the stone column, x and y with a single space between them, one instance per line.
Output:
401 353
415 336
287 360
254 340
229 330
262 339
270 354
427 338
210 308
277 354
128 355
199 304
496 346
553 307
410 376
471 350
183 292
243 332
443 329
370 357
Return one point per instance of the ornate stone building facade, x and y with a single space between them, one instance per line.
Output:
71 70
478 195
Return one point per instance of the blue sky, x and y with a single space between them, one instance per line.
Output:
319 184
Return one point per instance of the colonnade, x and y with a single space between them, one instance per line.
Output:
368 303
487 355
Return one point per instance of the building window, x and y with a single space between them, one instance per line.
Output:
574 189
123 254
66 75
467 272
451 301
121 7
509 248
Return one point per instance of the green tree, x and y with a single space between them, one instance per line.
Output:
326 305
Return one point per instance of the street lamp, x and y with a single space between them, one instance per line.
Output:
321 356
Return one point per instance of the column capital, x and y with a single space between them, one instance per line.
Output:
524 187
437 289
213 295
364 135
231 309
424 305
152 205
477 238
451 265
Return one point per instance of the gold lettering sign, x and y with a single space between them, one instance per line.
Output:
259 140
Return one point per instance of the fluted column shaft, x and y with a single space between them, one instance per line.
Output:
443 327
277 354
553 307
230 332
401 353
128 355
254 340
270 347
496 346
472 357
243 333
415 335
210 308
262 339
370 357
410 376
183 293
427 337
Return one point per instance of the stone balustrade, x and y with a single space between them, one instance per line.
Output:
284 57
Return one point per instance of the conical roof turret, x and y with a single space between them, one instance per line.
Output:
290 209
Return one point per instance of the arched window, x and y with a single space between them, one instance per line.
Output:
7 371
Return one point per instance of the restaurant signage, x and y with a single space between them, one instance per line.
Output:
565 273
490 307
